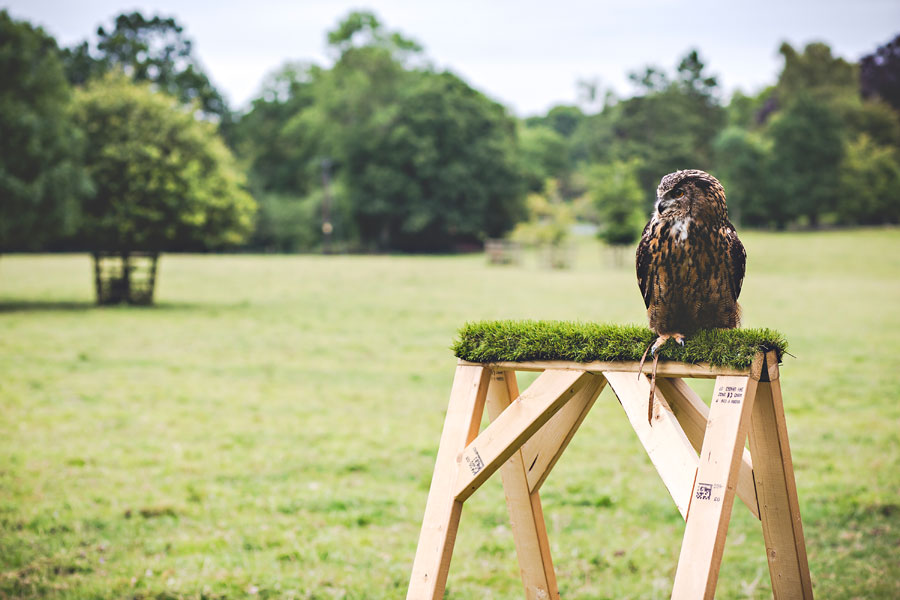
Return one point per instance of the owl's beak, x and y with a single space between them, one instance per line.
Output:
662 204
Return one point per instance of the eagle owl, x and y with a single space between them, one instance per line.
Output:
690 262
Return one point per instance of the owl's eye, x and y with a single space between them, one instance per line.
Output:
678 193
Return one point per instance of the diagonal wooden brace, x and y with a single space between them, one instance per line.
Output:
541 452
527 413
665 442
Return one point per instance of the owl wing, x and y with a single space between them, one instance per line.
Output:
737 259
644 259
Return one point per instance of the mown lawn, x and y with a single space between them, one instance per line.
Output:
269 429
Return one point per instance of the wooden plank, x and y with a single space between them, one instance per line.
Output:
527 413
665 368
442 510
772 365
541 452
669 449
714 488
779 505
526 516
693 413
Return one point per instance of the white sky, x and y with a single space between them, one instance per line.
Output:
527 55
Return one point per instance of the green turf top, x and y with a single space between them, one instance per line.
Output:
496 341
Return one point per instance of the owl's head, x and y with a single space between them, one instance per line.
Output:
690 194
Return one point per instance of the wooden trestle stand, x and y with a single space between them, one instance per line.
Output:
529 432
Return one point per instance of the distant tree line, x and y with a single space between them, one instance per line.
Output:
123 143
819 147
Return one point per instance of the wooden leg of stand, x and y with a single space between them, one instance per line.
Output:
777 491
526 516
692 413
442 511
714 488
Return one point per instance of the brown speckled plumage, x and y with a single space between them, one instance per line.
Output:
690 262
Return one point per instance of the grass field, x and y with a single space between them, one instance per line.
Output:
269 429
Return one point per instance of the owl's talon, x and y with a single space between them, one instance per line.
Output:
659 343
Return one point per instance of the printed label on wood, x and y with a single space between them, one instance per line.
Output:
476 464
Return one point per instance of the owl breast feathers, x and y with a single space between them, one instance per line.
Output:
690 262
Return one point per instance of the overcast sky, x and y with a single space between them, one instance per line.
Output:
526 55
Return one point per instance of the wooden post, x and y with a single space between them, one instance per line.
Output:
693 414
442 510
777 490
713 492
525 514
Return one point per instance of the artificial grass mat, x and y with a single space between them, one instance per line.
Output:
496 341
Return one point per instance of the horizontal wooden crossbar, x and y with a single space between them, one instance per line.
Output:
664 368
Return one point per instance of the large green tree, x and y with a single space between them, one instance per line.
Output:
564 119
880 73
671 124
869 184
807 152
163 179
153 49
814 72
616 194
278 161
420 160
441 169
742 161
543 154
40 175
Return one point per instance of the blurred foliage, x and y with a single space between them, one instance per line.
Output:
814 72
421 161
742 159
41 179
278 156
286 223
543 154
807 150
869 183
880 73
163 179
562 119
619 202
550 218
439 169
426 162
147 49
780 153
